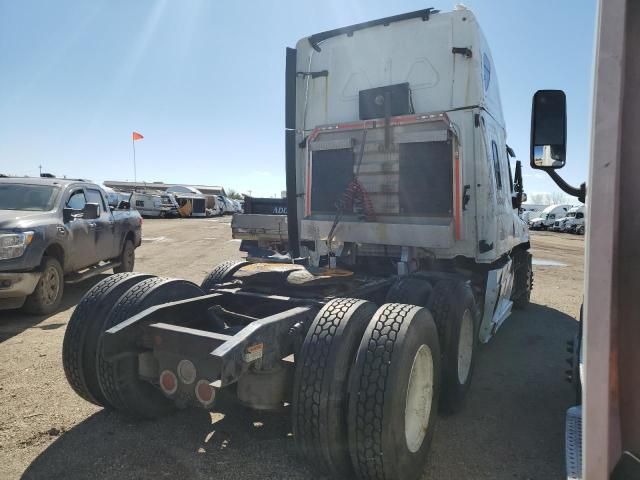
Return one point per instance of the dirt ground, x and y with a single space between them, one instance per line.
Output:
512 426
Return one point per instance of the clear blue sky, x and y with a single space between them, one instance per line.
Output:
203 81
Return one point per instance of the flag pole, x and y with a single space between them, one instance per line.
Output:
135 176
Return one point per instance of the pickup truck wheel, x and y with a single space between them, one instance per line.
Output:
47 295
79 348
394 387
119 380
320 399
127 258
454 310
221 274
522 279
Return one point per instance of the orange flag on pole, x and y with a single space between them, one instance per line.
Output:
137 136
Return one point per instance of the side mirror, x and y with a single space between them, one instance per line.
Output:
91 211
518 187
548 129
68 214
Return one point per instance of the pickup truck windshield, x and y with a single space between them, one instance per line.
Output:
19 196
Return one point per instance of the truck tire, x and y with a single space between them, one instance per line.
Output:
522 279
394 387
409 290
456 315
46 297
127 258
84 330
320 399
221 274
119 380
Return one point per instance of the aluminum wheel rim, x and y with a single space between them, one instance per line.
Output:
50 285
417 410
465 347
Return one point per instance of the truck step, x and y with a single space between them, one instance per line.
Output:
573 443
90 272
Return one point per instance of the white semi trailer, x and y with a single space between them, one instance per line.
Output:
405 251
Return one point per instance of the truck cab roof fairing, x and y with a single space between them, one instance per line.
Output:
382 53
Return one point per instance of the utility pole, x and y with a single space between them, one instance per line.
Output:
40 167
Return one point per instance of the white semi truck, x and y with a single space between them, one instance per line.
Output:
548 216
571 222
405 251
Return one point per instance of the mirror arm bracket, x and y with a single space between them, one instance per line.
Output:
580 193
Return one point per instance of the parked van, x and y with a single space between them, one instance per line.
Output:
548 217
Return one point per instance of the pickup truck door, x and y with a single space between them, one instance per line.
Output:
105 238
80 246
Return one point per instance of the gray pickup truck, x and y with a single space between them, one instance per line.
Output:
54 231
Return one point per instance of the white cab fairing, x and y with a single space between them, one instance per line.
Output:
455 99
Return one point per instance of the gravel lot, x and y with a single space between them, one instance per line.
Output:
512 426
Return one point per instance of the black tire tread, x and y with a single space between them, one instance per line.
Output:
523 274
122 268
446 298
121 311
220 273
440 305
112 381
315 372
77 330
410 291
369 406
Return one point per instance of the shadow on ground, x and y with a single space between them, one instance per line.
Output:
14 322
241 444
511 428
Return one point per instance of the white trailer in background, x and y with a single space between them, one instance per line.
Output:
154 203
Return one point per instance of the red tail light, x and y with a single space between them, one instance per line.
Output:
205 393
168 382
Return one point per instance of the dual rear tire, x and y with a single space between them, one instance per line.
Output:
394 391
455 313
116 384
366 390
